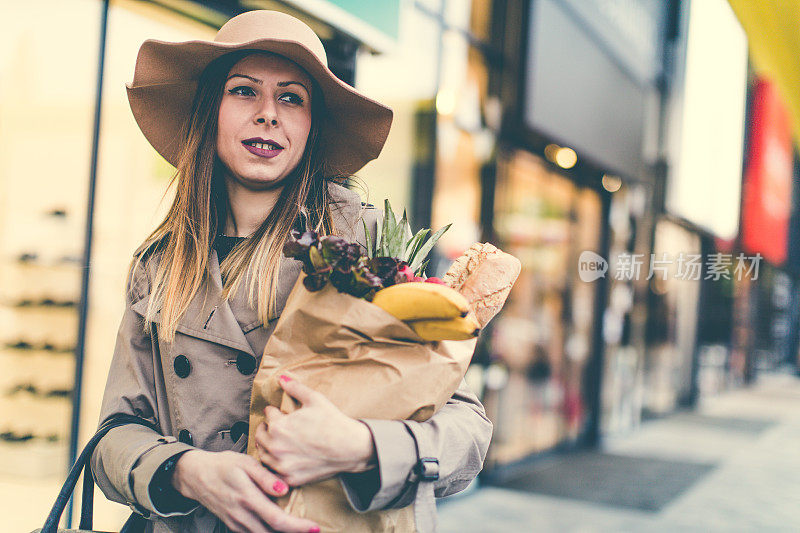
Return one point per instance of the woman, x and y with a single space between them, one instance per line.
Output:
257 127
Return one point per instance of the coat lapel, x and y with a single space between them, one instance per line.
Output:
211 318
247 317
208 317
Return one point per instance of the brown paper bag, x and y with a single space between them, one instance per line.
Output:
370 365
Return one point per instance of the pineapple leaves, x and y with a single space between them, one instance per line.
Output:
416 262
415 243
395 239
378 238
370 249
398 239
390 245
406 227
389 227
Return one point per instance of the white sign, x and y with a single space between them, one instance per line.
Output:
704 185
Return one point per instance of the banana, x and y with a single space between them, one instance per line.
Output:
452 329
421 301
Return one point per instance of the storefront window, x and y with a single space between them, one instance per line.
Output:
672 320
48 76
626 310
715 334
47 88
457 14
541 342
48 72
403 78
464 143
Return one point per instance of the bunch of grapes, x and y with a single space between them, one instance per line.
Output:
333 259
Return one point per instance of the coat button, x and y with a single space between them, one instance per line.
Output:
182 366
186 437
239 428
246 364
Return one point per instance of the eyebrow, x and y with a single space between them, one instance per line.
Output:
280 83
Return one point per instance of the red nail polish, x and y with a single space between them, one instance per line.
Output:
314 529
279 486
285 378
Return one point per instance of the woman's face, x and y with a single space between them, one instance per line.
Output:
264 120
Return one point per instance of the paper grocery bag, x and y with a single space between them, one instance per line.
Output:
370 365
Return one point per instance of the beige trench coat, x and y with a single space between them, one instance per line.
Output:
197 389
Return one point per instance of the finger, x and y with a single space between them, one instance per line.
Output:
247 521
272 463
272 515
262 435
278 519
272 414
298 391
263 453
261 444
267 481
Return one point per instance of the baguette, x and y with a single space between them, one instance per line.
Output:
484 275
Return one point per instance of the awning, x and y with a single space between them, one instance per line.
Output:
773 33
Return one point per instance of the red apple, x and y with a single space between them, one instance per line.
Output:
407 272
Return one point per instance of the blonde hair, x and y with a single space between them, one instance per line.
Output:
200 208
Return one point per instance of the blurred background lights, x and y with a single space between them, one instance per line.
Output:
566 157
445 102
561 156
550 152
611 183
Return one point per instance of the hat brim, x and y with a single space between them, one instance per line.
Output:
352 133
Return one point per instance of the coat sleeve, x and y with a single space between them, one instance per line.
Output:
127 457
460 433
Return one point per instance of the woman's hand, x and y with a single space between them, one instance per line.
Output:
235 487
315 442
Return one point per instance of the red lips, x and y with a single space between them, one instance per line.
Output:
259 140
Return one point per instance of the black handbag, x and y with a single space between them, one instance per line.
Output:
134 524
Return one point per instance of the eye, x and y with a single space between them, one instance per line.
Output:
242 90
291 98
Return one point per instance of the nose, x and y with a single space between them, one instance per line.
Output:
267 113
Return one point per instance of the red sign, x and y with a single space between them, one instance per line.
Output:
767 187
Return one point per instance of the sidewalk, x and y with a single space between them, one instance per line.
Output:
739 453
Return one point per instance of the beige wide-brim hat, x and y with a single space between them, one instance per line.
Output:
353 129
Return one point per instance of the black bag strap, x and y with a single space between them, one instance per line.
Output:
83 463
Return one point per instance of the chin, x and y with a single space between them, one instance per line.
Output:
256 177
263 182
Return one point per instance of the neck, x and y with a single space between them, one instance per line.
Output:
248 208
